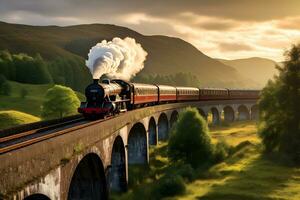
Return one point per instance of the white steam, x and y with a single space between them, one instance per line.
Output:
119 58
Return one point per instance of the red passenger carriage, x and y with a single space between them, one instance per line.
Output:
213 93
144 94
187 94
166 93
243 94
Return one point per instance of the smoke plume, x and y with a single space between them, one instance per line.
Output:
119 58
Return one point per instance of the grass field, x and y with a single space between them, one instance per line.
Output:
31 104
245 175
13 118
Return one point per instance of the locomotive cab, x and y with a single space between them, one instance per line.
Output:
95 94
103 99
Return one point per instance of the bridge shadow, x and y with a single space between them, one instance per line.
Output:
261 179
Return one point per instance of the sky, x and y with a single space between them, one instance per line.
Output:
228 29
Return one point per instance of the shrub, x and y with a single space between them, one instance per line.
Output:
280 110
2 79
23 93
5 88
169 186
189 141
186 172
59 102
221 151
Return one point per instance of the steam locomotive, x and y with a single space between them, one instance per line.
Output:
114 96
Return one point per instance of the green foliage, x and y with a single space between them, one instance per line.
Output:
5 89
280 109
23 93
182 79
186 172
24 68
189 141
70 72
169 185
221 151
59 102
35 70
2 79
13 118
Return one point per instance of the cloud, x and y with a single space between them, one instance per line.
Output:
255 10
290 23
234 47
218 26
227 29
206 22
138 18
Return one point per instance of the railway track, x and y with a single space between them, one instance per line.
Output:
25 138
18 140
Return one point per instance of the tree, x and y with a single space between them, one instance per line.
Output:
280 109
41 70
59 102
189 141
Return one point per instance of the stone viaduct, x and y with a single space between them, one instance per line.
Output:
87 161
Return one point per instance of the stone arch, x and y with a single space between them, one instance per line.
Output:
228 114
174 118
88 181
254 112
137 145
152 132
117 180
243 113
163 127
37 197
202 113
216 118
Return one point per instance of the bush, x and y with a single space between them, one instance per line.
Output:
221 151
186 172
23 93
189 141
2 79
280 109
169 186
3 85
5 89
59 102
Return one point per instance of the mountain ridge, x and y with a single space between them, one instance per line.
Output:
166 55
256 68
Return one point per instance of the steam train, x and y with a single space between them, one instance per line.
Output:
114 96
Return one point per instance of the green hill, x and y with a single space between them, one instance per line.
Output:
13 118
166 55
32 102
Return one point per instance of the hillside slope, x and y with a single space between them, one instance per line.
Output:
258 69
166 55
12 118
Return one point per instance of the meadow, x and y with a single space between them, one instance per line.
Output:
16 110
245 175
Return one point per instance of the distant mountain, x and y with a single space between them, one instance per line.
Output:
258 69
166 55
